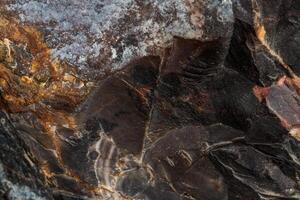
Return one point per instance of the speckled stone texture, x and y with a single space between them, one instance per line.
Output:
149 99
109 34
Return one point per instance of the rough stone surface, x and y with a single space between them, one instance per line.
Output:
108 34
149 100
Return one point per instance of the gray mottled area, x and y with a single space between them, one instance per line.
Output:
106 34
16 191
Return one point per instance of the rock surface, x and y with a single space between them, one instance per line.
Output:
109 34
149 99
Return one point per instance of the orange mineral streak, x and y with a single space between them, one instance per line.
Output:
32 39
46 95
23 91
261 36
46 170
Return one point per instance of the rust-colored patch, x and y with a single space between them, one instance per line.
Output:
36 86
47 88
261 35
261 92
295 132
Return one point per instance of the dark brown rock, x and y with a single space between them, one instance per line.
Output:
149 99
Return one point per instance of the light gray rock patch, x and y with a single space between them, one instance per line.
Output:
16 191
107 33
